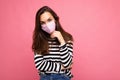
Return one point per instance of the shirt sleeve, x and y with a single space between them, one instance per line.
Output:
66 52
46 65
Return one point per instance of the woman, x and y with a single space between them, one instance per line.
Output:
52 46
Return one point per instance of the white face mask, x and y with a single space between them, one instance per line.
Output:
49 27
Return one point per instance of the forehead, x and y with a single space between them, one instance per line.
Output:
45 16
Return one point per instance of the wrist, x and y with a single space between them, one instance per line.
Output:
62 42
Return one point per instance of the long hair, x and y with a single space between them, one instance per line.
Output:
40 37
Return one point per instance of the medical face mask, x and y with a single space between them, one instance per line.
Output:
49 27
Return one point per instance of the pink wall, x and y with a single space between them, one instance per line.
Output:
95 25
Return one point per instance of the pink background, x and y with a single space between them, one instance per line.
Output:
94 24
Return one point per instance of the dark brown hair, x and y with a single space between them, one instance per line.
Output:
40 37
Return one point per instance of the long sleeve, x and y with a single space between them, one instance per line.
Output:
66 52
46 65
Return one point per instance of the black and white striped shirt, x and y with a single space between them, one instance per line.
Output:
58 55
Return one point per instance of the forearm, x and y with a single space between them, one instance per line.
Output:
46 65
66 52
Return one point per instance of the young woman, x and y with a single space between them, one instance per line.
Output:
52 46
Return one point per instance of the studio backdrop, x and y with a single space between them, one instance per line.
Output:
94 24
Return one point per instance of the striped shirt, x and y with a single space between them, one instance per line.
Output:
59 55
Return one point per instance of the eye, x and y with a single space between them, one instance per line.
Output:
49 20
42 23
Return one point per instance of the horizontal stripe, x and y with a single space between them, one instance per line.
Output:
57 54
